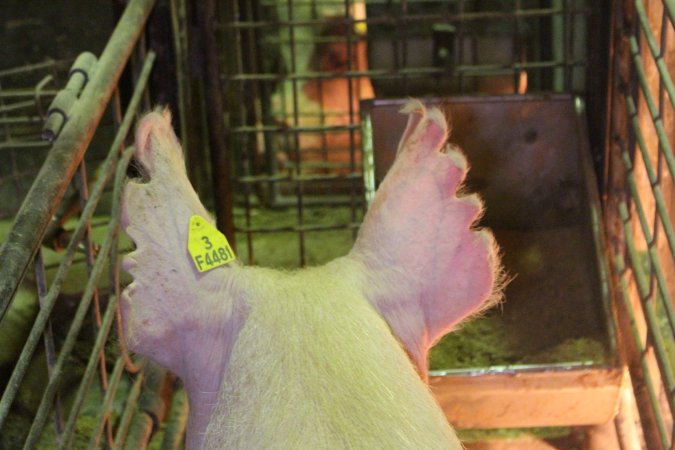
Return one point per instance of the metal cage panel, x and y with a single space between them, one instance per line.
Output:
640 204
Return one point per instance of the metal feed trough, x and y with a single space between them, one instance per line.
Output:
69 382
530 162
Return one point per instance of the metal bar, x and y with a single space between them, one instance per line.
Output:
296 138
90 370
651 391
657 120
219 154
58 169
669 8
304 178
107 168
392 20
33 67
466 69
649 238
300 228
174 431
104 410
659 200
128 414
81 183
50 351
71 337
23 92
657 53
291 129
648 307
151 407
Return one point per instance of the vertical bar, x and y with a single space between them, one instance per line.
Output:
296 138
557 44
219 155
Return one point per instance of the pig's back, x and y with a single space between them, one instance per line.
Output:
316 367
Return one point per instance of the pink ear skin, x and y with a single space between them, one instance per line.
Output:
159 307
426 267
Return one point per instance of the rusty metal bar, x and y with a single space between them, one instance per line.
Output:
58 169
220 157
391 20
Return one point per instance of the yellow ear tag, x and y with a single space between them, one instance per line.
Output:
207 246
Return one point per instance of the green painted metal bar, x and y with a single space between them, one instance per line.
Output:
649 384
151 408
71 337
654 113
651 174
101 337
128 414
669 6
107 168
656 52
174 432
648 308
661 281
31 220
106 405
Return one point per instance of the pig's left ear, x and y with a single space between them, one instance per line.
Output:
426 266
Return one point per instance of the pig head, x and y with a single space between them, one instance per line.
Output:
326 357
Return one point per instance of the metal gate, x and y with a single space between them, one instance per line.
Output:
299 69
68 380
640 204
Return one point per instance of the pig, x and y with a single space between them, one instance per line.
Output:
333 356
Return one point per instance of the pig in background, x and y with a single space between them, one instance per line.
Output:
326 357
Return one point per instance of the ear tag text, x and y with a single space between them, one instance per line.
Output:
207 246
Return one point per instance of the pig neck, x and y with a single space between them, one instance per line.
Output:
315 366
207 351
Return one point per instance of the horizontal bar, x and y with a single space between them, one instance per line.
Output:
24 144
59 167
657 53
467 70
299 228
411 19
32 67
24 92
296 178
292 129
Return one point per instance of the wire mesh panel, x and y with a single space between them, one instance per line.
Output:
66 378
641 204
296 70
25 94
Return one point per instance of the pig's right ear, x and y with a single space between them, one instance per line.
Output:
425 264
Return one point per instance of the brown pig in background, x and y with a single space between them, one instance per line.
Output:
326 357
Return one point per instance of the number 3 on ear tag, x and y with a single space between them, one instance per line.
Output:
207 246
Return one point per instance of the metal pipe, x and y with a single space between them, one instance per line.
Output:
220 158
41 320
58 169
